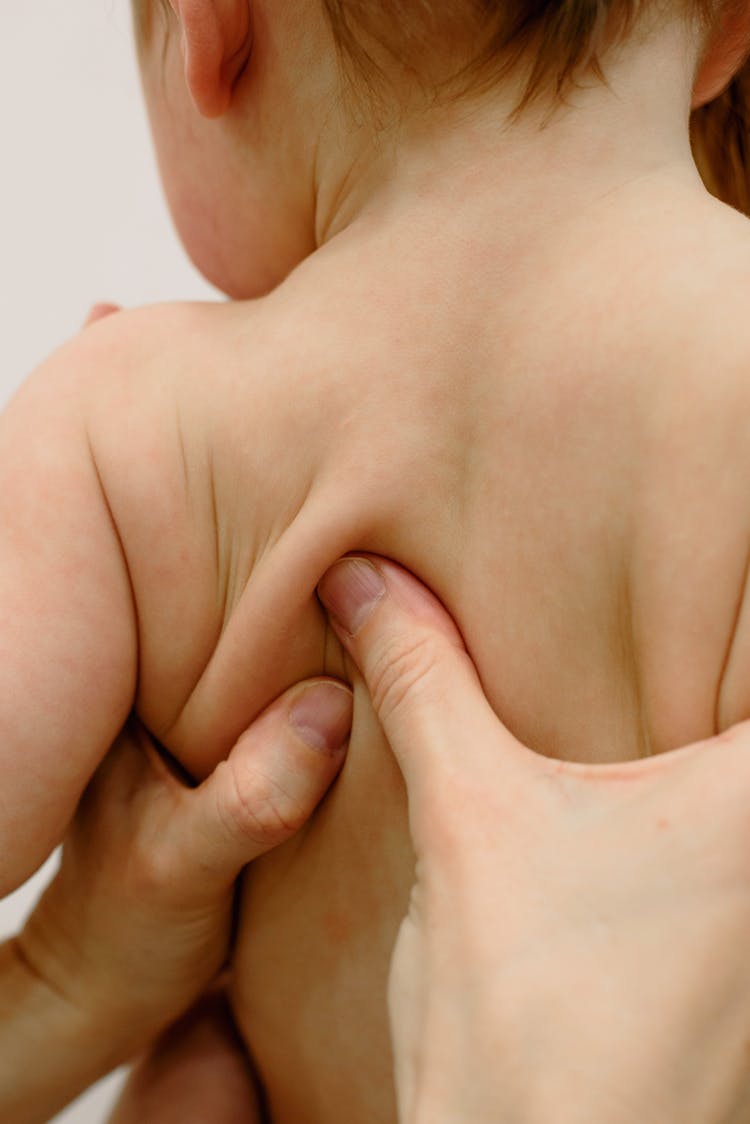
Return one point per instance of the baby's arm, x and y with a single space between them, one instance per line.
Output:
68 637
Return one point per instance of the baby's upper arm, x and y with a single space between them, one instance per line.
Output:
68 642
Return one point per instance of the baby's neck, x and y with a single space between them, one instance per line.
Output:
466 170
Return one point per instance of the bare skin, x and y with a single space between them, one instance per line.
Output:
198 1071
533 397
137 923
638 487
575 942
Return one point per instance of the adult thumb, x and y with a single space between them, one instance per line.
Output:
274 778
422 682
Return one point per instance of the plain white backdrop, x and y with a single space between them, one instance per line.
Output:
81 220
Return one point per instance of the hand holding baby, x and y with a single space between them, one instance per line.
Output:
576 944
137 923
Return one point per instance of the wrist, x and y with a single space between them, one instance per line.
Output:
107 1033
85 992
100 962
50 1049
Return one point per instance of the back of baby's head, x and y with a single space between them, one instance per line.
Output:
451 50
552 40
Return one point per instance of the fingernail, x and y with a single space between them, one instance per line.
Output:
350 591
322 716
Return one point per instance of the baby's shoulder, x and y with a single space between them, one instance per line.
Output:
181 375
188 413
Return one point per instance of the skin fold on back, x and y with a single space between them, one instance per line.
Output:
553 465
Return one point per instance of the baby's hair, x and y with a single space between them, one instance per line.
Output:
553 42
721 143
560 40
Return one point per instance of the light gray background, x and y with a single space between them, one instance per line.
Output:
81 220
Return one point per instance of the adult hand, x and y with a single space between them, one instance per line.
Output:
576 943
99 311
137 923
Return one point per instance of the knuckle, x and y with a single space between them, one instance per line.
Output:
258 808
402 672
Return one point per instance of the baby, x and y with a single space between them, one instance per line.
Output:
497 335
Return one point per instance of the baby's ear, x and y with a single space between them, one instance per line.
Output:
728 48
217 37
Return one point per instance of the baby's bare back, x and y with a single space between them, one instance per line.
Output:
558 450
575 491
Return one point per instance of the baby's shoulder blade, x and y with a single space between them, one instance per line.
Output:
693 512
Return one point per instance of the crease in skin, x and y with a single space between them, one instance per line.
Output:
17 950
247 593
720 723
222 576
631 667
123 556
183 457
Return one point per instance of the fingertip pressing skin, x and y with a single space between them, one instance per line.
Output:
354 585
422 683
421 679
321 714
271 782
350 590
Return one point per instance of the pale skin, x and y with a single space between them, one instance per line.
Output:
137 922
136 925
488 401
575 944
640 1015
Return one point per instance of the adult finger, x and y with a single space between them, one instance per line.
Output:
272 781
423 685
99 311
